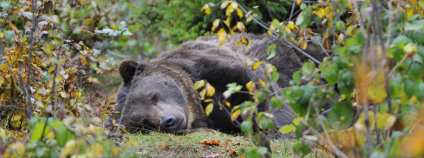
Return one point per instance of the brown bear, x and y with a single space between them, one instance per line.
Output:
159 95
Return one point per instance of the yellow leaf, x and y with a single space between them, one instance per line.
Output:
209 109
244 40
269 32
224 4
255 7
291 25
212 30
250 86
234 5
3 66
50 135
360 124
241 26
207 100
227 21
256 65
205 7
287 129
199 84
341 38
87 21
63 94
329 12
216 23
235 115
376 93
292 39
287 28
300 40
385 120
228 104
410 47
296 121
202 94
15 70
268 68
208 11
248 18
229 10
408 15
239 13
222 35
320 13
303 45
123 130
298 2
262 83
210 90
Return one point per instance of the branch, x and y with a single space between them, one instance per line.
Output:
12 106
118 55
5 19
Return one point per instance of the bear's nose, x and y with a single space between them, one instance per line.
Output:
169 123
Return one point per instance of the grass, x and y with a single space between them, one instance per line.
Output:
189 145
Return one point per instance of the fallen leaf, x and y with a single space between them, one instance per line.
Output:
211 142
233 153
164 146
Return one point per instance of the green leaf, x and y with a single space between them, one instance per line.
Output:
306 18
401 38
275 23
261 95
340 25
38 129
275 74
246 127
127 33
346 83
297 91
419 91
330 75
276 103
296 77
287 129
341 115
409 88
45 76
416 71
262 150
308 91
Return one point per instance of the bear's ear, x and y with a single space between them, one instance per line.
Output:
127 68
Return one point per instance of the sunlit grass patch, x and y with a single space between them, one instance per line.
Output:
190 145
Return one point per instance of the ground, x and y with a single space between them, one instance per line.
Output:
190 145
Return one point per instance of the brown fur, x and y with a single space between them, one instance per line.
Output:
201 59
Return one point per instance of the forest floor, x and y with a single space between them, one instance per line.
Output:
191 145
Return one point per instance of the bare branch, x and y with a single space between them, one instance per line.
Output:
12 106
7 16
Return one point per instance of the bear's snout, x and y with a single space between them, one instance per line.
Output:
169 123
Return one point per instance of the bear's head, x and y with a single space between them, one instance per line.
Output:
157 96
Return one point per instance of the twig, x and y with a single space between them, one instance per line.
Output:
12 106
31 42
397 65
292 9
278 36
266 4
5 19
54 92
118 55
